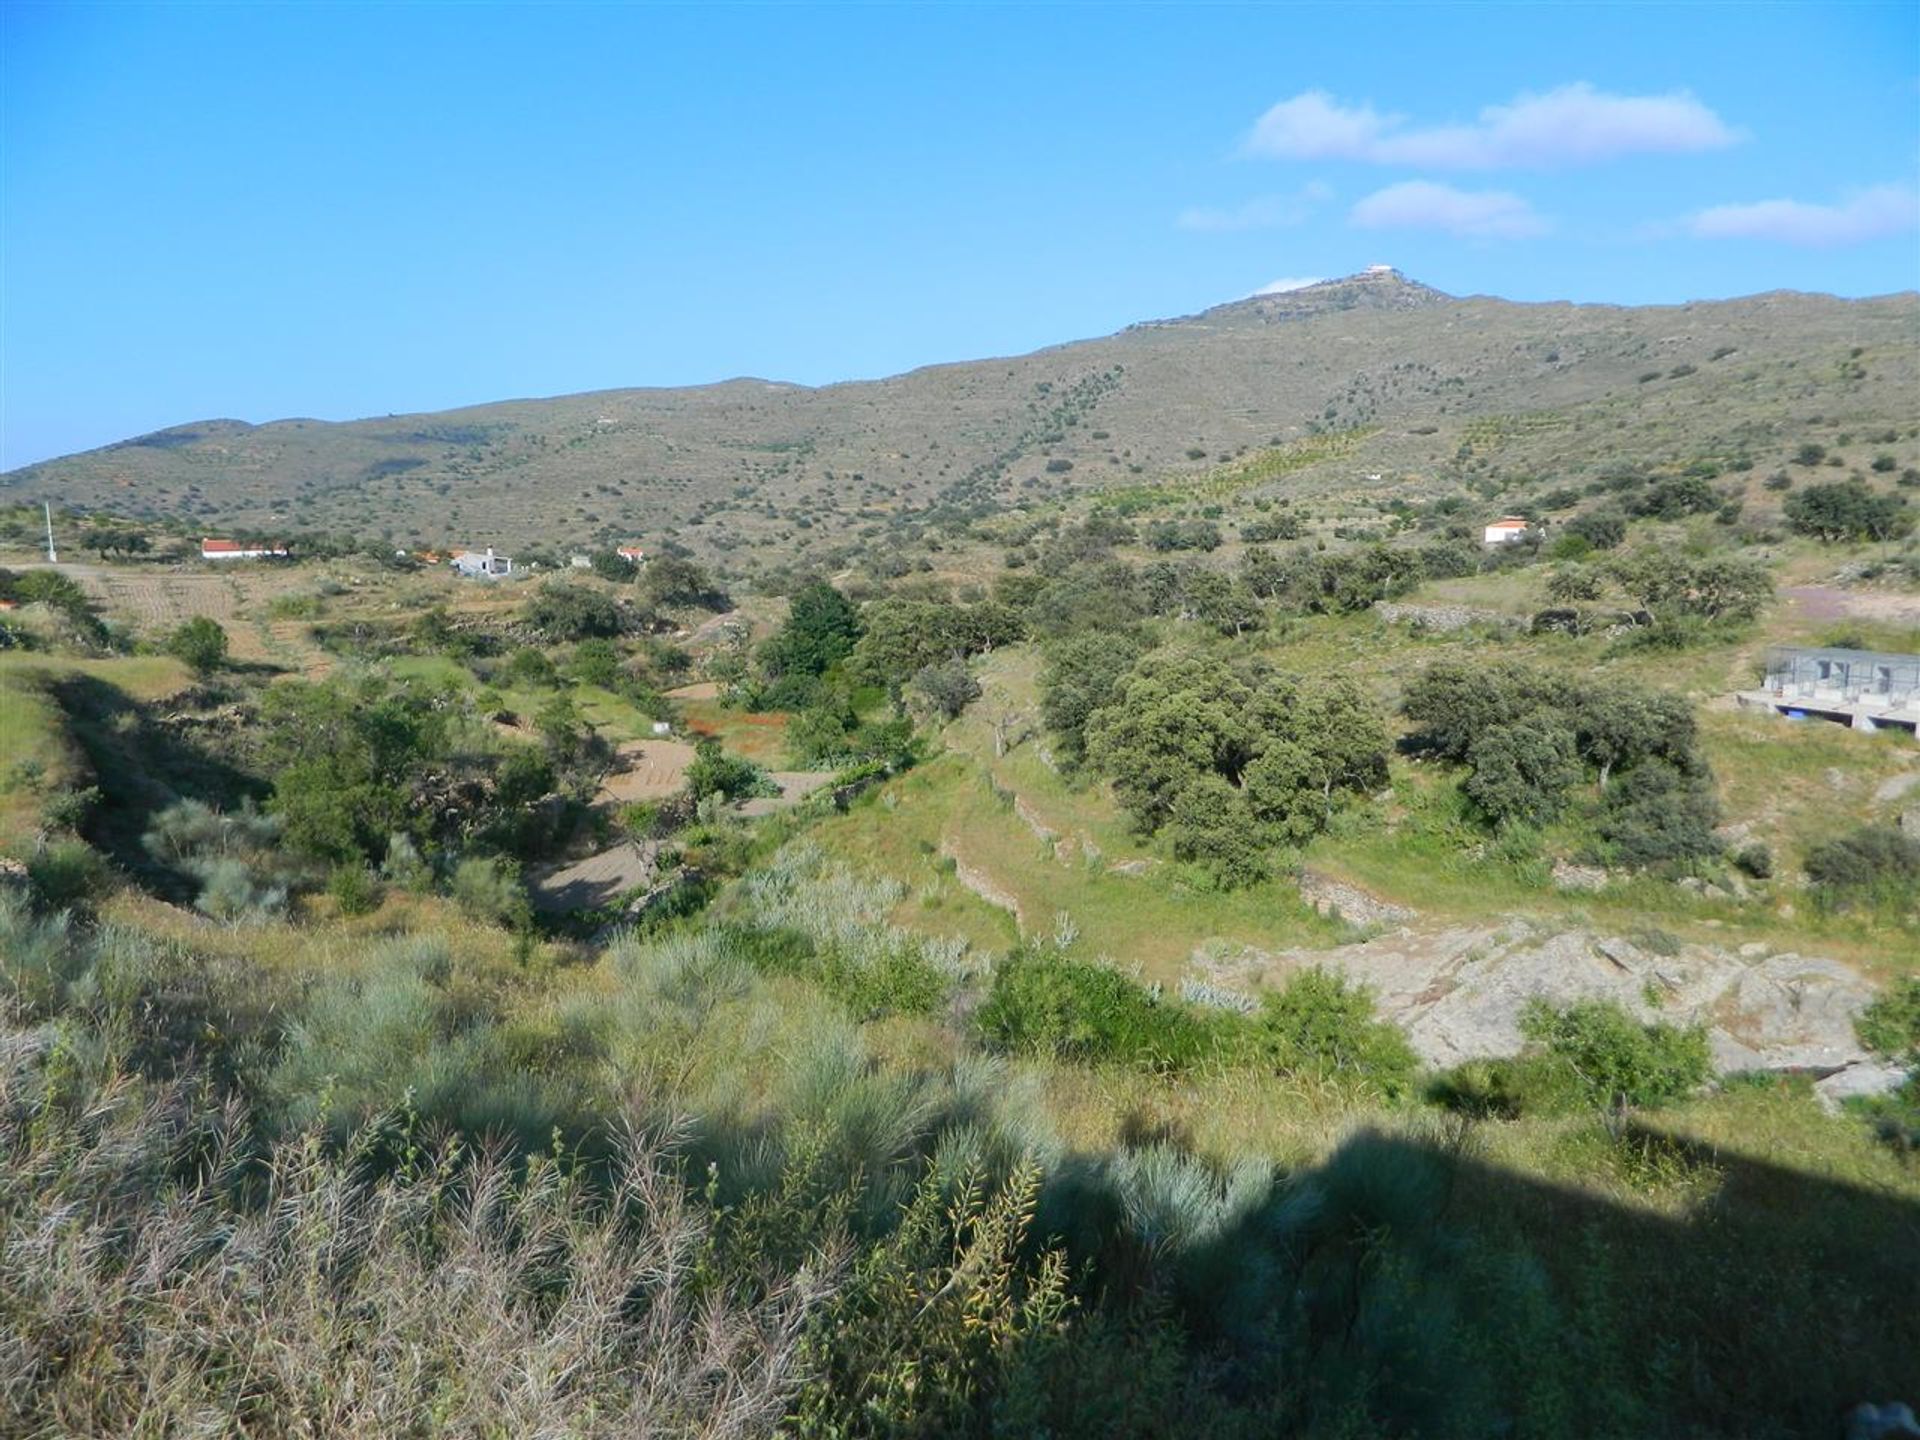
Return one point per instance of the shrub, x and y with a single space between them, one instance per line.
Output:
237 860
201 643
1875 865
1601 531
1616 1060
1890 1026
1848 510
354 889
66 874
714 772
1043 1002
564 611
475 1267
489 890
528 668
1656 814
1319 1024
1755 860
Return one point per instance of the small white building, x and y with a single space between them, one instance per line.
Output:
580 562
1506 530
482 564
632 554
211 549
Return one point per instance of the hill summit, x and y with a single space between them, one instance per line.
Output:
1419 388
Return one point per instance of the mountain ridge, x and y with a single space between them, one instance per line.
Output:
747 460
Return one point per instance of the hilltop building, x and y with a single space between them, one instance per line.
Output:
211 549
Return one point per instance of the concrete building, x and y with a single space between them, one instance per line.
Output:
1867 689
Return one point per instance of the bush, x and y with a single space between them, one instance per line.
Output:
238 861
1755 860
67 874
563 611
1615 1060
1848 510
469 1263
201 643
1657 814
1876 865
1319 1024
1601 531
1043 1002
354 889
489 890
1890 1026
714 772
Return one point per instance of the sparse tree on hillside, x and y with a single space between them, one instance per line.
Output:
201 643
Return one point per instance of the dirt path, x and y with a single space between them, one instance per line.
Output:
1827 602
597 880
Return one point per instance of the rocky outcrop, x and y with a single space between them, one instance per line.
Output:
982 884
1349 902
1460 991
1440 617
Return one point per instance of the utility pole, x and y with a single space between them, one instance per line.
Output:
52 558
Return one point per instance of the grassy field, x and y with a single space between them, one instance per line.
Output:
37 759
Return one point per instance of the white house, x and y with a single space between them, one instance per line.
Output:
1506 530
211 549
482 564
632 554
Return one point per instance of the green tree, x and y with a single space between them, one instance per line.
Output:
564 611
1080 676
1522 771
1176 717
1334 742
820 632
201 643
1849 510
947 688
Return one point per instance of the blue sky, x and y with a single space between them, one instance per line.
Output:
268 211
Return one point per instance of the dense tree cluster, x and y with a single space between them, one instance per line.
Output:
1850 510
1529 737
1229 760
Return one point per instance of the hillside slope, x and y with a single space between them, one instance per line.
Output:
786 468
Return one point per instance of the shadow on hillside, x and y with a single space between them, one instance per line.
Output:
1437 1293
142 764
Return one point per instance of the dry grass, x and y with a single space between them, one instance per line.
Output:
156 1280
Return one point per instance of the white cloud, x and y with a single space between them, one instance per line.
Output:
1290 282
1573 125
1425 205
1866 215
1265 212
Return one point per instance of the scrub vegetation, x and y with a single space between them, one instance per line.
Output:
910 982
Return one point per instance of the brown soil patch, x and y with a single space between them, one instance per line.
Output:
651 770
